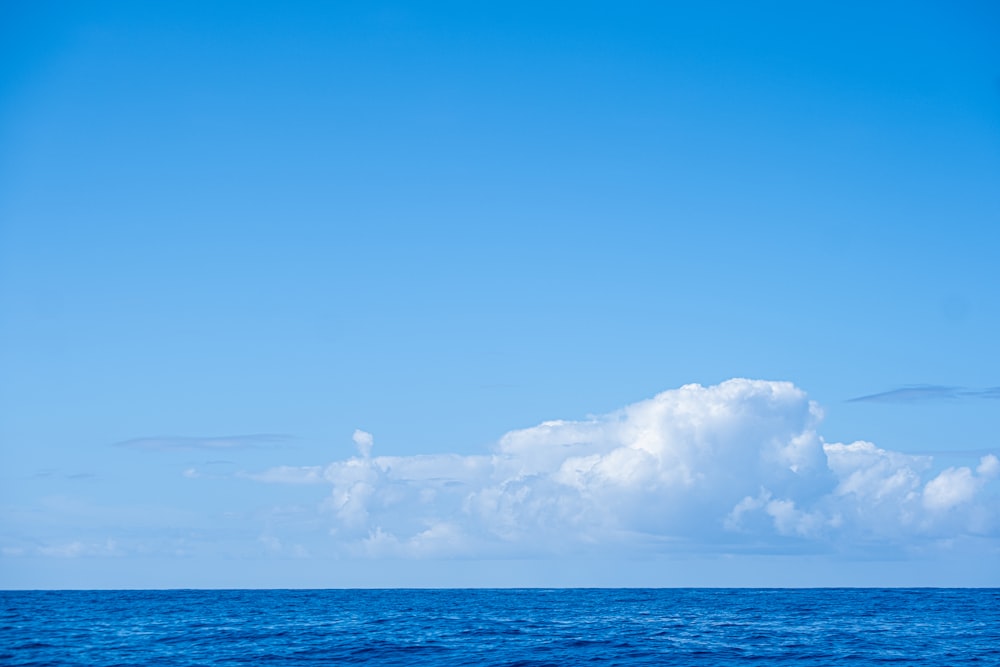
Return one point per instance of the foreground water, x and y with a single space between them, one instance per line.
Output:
502 627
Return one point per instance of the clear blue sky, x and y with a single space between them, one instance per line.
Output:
236 240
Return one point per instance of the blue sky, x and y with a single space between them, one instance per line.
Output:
281 285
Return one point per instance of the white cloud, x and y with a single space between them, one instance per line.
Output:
730 465
989 466
877 493
364 441
952 487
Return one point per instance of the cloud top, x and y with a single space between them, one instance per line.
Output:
738 465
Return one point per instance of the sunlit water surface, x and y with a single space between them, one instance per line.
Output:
502 627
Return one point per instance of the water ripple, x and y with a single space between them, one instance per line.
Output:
501 627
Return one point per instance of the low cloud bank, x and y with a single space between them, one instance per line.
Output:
734 466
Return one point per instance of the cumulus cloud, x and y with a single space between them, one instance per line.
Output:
989 466
364 441
958 486
727 466
952 487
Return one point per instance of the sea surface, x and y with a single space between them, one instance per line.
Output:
502 627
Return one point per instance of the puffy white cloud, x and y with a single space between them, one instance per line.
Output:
877 494
989 466
364 441
731 465
955 487
952 487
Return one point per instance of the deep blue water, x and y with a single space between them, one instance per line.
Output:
502 627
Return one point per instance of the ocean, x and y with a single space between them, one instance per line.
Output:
502 627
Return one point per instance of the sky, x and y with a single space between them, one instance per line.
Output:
396 294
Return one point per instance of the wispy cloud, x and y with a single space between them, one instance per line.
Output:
927 392
79 548
991 392
49 473
287 475
214 443
736 465
911 393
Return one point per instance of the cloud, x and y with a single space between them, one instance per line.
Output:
287 475
990 392
173 443
927 392
989 466
78 549
952 487
364 442
735 466
911 393
958 486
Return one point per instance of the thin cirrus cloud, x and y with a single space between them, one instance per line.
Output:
217 443
281 475
735 466
927 392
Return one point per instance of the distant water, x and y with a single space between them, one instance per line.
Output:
502 627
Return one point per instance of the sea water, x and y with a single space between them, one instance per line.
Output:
502 627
